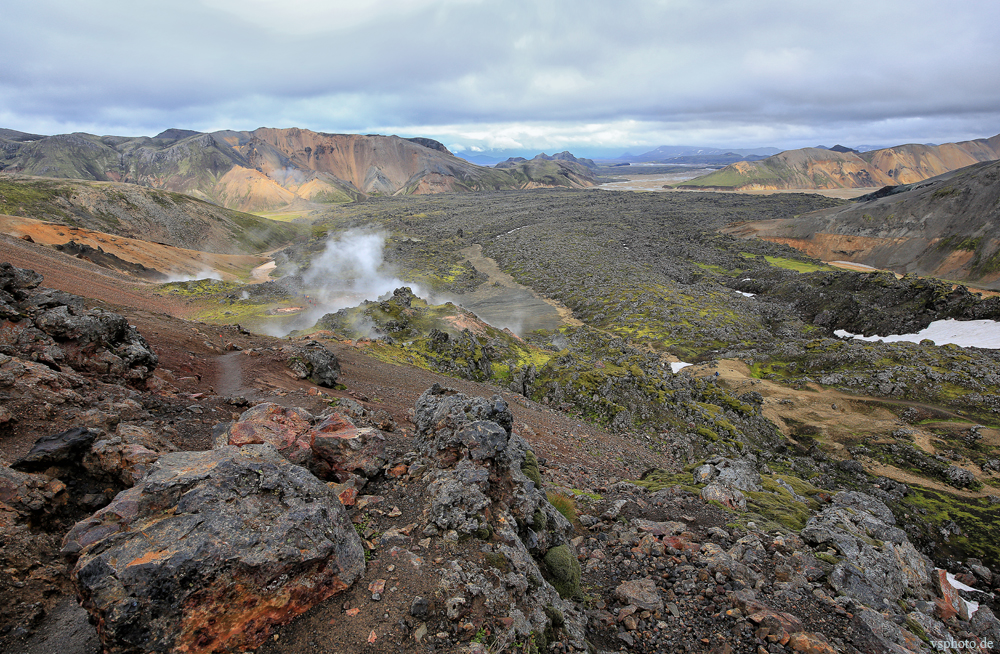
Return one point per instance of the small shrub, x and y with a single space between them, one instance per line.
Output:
564 505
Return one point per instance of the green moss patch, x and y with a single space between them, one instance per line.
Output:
564 571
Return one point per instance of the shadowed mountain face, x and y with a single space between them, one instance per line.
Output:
265 169
947 227
818 168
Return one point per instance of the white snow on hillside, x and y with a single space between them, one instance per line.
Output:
965 333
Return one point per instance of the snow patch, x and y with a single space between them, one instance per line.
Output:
972 606
677 366
964 333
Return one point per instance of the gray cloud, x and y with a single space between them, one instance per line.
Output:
579 74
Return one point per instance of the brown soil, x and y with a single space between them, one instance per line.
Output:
838 420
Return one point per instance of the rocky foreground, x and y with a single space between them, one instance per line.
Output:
343 530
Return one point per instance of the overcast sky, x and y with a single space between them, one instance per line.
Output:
547 75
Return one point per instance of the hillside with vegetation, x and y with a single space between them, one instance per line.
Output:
138 212
944 227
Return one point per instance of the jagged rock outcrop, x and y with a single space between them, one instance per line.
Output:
480 486
211 550
873 303
879 563
56 329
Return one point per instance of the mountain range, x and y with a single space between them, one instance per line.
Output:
269 169
817 168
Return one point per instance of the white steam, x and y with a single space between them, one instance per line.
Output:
350 270
351 265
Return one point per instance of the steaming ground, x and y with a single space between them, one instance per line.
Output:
352 269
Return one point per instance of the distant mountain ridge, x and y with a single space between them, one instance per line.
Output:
946 227
267 168
840 167
560 169
667 152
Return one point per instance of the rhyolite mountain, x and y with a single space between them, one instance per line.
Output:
946 227
819 168
267 168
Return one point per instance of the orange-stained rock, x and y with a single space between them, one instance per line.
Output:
950 604
211 550
341 450
285 429
809 643
779 624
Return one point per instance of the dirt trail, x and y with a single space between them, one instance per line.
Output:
229 375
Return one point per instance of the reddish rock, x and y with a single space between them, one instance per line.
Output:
285 429
341 450
682 544
944 609
779 624
950 603
124 462
348 496
211 550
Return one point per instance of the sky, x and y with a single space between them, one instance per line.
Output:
596 78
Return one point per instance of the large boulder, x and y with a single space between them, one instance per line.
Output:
211 550
342 451
331 446
65 448
314 362
737 474
285 428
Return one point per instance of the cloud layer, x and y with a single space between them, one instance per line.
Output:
512 74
